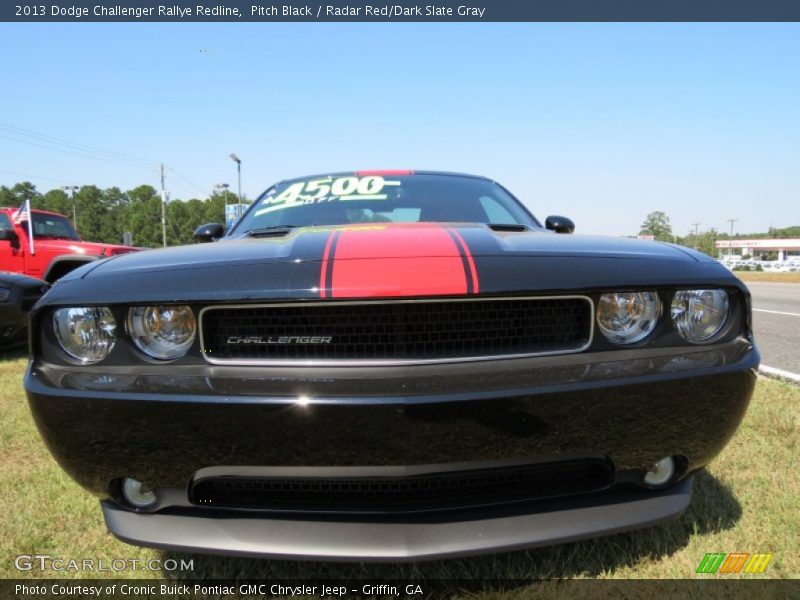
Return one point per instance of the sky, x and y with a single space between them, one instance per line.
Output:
603 123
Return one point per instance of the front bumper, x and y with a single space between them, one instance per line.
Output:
410 539
628 407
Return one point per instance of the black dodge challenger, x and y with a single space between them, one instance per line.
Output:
389 365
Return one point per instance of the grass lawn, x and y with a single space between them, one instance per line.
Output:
772 277
747 501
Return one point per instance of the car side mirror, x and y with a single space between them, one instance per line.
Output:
9 235
210 232
559 224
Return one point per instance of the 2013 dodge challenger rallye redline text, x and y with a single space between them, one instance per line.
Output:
388 365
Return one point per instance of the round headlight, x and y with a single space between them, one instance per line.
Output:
699 314
86 334
163 332
629 317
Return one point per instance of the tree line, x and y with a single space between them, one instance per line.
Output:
103 215
658 225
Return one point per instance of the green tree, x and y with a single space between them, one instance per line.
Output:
104 215
705 242
56 201
144 220
214 211
15 196
181 217
787 232
117 206
657 224
93 222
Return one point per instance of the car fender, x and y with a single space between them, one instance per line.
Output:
76 258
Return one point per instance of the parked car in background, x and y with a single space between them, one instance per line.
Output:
58 249
18 294
770 266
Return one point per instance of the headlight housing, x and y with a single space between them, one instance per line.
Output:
699 315
628 317
163 332
87 334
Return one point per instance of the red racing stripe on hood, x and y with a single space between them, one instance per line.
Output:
324 272
471 271
396 260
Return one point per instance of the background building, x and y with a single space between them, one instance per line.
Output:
759 247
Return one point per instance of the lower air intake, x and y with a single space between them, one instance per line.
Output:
415 493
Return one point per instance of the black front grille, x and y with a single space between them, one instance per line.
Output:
418 493
397 330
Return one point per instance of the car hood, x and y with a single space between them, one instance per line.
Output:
81 247
380 260
389 241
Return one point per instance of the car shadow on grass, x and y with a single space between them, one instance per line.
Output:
713 509
14 353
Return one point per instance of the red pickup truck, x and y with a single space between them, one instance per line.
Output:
57 247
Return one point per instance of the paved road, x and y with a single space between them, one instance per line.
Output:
776 322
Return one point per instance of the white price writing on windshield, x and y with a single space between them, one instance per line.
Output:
326 189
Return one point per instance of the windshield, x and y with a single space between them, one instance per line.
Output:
384 198
52 226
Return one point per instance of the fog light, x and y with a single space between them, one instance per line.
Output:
661 472
137 493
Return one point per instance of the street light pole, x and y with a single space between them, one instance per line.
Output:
71 189
238 162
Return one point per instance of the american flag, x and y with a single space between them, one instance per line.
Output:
23 213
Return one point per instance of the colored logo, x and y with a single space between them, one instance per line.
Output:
737 562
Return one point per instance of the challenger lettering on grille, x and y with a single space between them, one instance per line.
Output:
397 330
282 339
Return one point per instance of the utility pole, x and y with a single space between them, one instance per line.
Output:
731 221
163 209
694 239
71 189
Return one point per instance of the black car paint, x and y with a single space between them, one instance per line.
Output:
161 423
268 269
161 428
252 269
